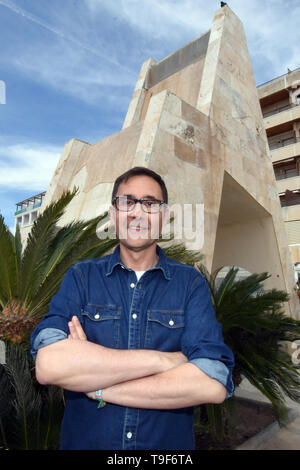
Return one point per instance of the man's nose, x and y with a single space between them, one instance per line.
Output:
137 210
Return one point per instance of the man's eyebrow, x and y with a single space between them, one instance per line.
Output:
149 196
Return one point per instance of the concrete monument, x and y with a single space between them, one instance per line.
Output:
195 118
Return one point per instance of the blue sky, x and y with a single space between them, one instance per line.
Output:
70 67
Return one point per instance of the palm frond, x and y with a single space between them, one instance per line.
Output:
87 245
37 247
255 327
30 414
7 264
17 248
178 252
26 401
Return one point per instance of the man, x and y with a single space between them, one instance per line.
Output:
132 336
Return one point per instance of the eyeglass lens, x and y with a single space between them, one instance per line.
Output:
127 204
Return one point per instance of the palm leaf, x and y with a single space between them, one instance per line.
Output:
178 252
86 245
17 248
254 327
25 400
7 265
37 248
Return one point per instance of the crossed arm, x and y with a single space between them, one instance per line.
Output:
131 378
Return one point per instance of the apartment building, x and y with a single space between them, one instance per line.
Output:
280 104
27 212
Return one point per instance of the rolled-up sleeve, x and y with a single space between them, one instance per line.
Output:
203 338
44 338
216 370
67 302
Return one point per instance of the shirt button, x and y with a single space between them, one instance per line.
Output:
97 316
123 267
129 435
132 284
134 316
171 322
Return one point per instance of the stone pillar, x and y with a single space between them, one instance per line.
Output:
250 211
137 101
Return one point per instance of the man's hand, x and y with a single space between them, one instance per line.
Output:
77 333
76 330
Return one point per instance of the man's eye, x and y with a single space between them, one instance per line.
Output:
150 203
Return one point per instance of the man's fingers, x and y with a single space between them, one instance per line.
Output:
76 331
73 333
78 328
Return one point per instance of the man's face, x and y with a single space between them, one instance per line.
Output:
138 229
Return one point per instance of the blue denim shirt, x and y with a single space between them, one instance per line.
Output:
168 309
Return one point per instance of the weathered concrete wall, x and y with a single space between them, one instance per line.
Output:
92 169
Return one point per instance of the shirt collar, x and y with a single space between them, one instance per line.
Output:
115 260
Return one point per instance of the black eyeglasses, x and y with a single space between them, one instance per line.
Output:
127 204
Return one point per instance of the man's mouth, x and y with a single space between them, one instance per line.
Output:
131 227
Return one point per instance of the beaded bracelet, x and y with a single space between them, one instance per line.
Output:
98 395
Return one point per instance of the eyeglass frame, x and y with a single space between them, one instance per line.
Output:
135 200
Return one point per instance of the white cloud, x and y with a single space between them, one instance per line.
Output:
67 57
27 166
94 52
73 72
272 27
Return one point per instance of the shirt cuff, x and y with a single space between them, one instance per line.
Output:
216 370
45 337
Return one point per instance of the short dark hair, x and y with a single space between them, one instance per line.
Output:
136 171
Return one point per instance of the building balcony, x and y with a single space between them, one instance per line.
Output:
289 148
30 207
280 120
279 110
284 143
291 184
27 210
30 204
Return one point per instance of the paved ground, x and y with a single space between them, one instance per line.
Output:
273 437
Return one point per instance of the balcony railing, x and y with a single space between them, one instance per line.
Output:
289 202
28 208
287 174
280 109
284 143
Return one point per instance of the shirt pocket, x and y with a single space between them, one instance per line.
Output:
164 329
101 324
